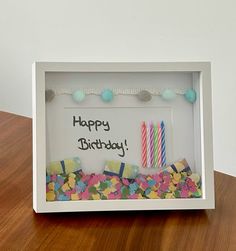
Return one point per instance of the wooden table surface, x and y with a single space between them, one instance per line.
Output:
22 229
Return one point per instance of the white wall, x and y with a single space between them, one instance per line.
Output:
124 30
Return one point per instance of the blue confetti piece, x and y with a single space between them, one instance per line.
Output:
48 178
133 186
151 183
56 186
148 191
60 179
81 186
131 192
62 197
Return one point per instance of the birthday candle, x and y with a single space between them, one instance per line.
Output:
155 146
148 146
159 145
163 145
144 145
151 145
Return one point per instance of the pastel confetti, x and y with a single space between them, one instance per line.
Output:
170 183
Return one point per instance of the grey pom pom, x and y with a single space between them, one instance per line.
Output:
49 95
144 96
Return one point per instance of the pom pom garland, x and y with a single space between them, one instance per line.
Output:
78 96
107 95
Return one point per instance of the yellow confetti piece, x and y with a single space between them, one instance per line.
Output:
106 192
114 181
113 189
172 187
65 187
154 188
140 196
72 175
170 196
71 182
50 196
51 186
169 169
96 196
177 176
195 177
152 195
74 196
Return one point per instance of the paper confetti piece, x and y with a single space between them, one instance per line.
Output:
74 196
50 196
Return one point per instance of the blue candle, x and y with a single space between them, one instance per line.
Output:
163 145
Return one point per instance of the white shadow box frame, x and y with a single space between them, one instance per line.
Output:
195 120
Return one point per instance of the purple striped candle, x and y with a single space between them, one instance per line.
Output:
159 144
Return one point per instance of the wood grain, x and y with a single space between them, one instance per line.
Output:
22 229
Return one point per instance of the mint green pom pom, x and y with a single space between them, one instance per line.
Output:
190 95
107 95
78 96
168 94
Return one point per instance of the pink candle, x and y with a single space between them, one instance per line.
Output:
148 146
144 144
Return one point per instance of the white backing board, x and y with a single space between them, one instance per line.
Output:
124 114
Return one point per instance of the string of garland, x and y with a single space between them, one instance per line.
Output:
107 95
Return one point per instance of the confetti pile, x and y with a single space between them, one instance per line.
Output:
163 185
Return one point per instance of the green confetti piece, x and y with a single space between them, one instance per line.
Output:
124 192
197 194
103 197
177 194
103 185
108 182
93 190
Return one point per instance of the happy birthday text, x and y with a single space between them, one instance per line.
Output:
98 144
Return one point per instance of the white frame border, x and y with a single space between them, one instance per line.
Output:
40 204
